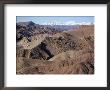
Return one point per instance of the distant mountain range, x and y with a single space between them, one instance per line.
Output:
28 29
59 27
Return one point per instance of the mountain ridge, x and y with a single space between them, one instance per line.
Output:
65 52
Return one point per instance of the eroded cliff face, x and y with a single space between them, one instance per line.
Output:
67 52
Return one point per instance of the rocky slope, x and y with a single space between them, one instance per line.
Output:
29 29
67 52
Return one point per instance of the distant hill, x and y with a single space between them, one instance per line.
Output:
63 27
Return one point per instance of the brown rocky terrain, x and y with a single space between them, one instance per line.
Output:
66 52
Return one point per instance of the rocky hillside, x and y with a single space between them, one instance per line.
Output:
66 52
29 29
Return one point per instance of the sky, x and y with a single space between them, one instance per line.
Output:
57 20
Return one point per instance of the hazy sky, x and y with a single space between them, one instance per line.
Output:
62 20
